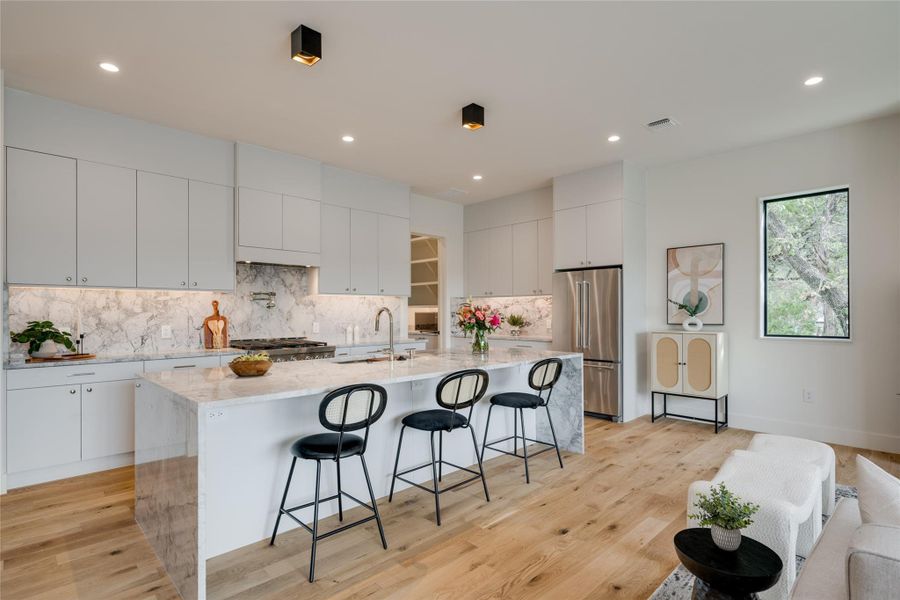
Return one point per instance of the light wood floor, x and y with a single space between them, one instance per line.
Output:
600 528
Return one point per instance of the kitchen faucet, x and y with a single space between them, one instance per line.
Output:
390 324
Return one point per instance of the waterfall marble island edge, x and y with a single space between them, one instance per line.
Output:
212 450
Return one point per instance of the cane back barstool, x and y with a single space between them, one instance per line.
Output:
455 392
349 408
542 377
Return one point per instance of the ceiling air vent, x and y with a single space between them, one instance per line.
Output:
660 124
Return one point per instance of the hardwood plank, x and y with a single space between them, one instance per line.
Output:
600 527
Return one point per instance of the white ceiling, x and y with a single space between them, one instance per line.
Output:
556 78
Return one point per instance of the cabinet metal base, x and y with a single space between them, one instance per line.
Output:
665 412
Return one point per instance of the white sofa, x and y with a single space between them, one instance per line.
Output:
851 560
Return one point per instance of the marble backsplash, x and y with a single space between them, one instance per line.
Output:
537 310
125 321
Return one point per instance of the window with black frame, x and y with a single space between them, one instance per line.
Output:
806 261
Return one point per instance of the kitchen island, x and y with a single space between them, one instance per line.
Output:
212 450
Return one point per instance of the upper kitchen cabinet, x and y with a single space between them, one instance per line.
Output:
107 220
393 256
364 252
545 256
334 270
40 218
588 214
210 236
162 231
526 253
341 187
279 209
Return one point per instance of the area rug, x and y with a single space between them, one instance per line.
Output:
679 584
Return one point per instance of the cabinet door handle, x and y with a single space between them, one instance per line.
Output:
195 284
72 391
354 289
382 290
90 389
183 283
81 374
68 279
184 366
346 289
84 280
137 385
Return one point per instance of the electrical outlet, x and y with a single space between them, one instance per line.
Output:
215 415
166 332
809 396
315 327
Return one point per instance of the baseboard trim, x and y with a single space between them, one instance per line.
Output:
823 433
24 478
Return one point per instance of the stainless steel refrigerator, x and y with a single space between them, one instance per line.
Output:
587 318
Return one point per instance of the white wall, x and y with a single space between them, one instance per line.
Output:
715 199
3 291
444 220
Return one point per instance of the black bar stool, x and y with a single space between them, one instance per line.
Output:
542 377
346 409
457 391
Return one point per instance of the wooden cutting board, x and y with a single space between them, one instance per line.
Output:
215 329
62 357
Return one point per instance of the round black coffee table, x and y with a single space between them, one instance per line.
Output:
737 575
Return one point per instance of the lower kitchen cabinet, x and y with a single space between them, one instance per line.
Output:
43 427
107 419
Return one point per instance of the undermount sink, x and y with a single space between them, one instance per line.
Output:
369 359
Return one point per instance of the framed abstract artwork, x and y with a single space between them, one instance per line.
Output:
695 275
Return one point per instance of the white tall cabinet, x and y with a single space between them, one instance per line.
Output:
162 233
40 218
510 260
210 236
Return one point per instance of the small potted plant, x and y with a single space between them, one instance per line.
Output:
725 515
517 323
479 320
692 323
42 338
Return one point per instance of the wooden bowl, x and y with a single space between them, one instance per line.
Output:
250 368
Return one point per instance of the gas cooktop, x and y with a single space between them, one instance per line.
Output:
285 349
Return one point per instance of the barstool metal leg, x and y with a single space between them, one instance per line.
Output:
362 459
480 467
283 500
440 455
339 494
437 491
516 434
487 426
524 445
315 527
396 462
553 433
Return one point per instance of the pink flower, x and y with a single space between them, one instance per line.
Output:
479 315
495 320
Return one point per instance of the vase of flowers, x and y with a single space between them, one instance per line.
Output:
480 321
691 323
725 515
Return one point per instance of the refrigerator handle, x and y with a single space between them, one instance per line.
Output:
579 321
586 336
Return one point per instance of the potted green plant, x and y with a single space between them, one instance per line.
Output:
692 323
725 515
518 323
42 338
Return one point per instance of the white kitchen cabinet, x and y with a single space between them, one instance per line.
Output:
43 427
107 419
334 268
359 191
364 252
301 224
259 218
162 231
569 238
210 236
500 261
478 259
545 256
525 258
273 171
692 364
106 225
604 234
393 256
40 218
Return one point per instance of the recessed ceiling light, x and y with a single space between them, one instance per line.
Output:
108 66
348 138
477 177
815 80
613 138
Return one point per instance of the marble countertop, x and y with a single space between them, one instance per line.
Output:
512 338
117 358
220 387
366 343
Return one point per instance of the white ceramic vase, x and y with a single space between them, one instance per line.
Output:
48 348
726 539
692 324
